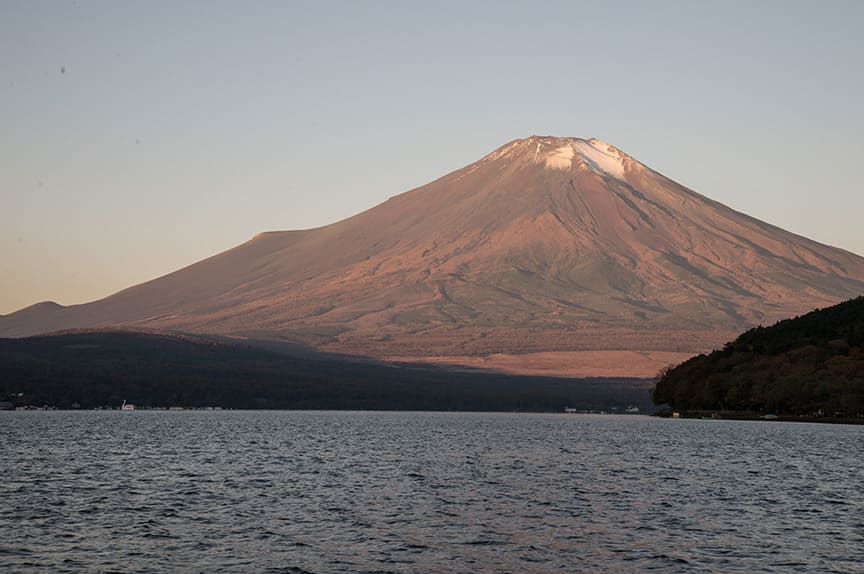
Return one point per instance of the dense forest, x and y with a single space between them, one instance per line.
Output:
811 365
95 369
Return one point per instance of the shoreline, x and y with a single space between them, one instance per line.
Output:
752 416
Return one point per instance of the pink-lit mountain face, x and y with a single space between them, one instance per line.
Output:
555 255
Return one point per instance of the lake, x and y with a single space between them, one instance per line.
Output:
401 492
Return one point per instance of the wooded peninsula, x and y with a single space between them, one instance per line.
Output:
811 366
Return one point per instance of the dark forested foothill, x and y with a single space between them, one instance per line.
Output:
94 369
811 365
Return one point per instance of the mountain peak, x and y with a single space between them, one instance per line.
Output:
566 154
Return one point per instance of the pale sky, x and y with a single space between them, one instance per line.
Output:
139 137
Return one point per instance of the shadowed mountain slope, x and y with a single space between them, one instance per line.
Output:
545 245
103 368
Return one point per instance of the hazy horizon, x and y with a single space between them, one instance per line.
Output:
142 138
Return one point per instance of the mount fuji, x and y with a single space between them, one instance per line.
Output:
550 255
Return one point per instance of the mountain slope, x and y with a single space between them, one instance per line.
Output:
545 245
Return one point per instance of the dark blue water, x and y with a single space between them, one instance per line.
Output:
423 492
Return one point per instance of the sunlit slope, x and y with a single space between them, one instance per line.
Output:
546 244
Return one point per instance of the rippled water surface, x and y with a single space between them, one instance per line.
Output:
425 492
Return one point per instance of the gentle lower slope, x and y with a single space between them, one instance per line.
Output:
95 369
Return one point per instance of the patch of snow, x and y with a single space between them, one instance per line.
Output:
560 158
474 168
602 156
503 151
